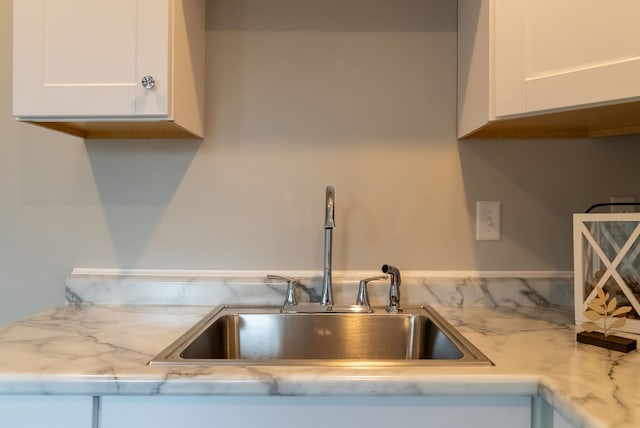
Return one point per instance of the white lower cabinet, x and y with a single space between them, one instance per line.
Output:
560 421
315 412
35 411
545 416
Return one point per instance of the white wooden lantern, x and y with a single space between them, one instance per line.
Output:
606 251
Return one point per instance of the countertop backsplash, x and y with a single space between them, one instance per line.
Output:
202 287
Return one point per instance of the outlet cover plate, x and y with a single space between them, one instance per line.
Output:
488 221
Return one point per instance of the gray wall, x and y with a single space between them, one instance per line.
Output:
360 94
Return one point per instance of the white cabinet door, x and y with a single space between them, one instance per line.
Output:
26 411
557 54
548 68
315 412
84 58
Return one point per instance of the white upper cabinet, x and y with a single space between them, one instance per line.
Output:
110 68
548 67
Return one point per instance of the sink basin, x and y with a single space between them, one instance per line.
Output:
262 335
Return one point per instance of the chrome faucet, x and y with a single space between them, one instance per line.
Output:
394 290
329 224
362 304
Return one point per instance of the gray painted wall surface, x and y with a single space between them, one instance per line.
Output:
360 94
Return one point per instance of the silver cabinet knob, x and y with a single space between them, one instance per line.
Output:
148 82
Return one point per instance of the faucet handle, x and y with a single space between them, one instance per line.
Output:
363 292
290 296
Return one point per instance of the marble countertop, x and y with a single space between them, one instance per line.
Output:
103 350
100 346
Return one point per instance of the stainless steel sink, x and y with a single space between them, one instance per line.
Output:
262 335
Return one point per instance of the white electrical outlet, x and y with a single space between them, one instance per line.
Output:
487 220
622 208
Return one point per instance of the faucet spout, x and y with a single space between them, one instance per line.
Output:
329 224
